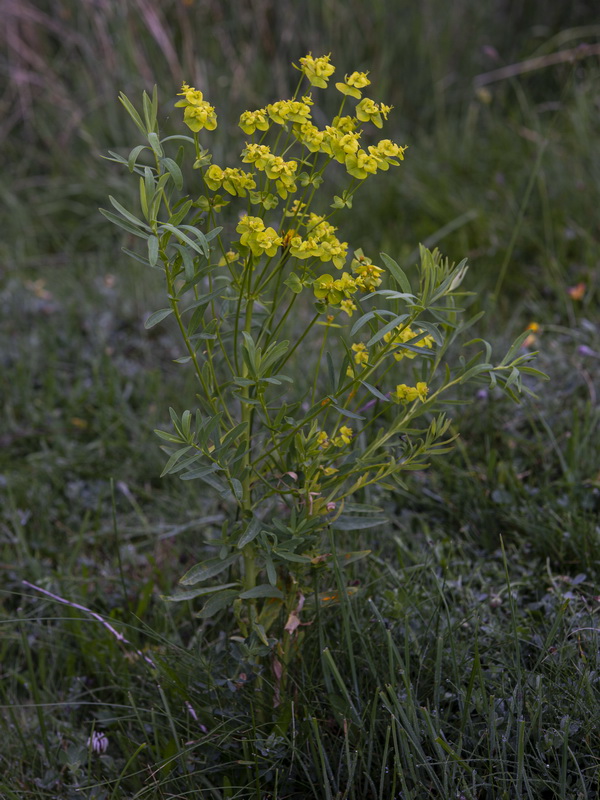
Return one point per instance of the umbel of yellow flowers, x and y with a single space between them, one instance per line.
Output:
273 176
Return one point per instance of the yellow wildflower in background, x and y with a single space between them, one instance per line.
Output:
323 440
407 394
344 437
402 335
229 257
361 354
348 307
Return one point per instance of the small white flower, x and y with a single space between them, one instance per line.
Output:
98 742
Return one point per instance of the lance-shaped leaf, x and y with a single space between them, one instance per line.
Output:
207 569
157 317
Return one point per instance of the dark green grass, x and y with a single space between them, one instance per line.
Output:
467 664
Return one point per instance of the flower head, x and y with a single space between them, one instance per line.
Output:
344 437
367 274
317 70
198 113
353 84
292 110
369 111
348 307
251 121
407 394
361 354
98 742
233 180
402 335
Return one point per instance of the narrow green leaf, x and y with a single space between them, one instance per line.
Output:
153 250
264 590
203 251
207 569
239 430
345 413
346 522
397 273
123 224
287 555
174 459
168 437
212 234
386 329
238 490
155 144
190 594
476 370
127 214
180 214
173 168
218 602
132 113
384 312
199 235
199 472
157 317
375 392
132 158
251 532
136 256
514 348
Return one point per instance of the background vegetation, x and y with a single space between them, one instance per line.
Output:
467 665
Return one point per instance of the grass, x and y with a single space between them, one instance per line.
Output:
466 666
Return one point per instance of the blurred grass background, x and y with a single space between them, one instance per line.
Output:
499 104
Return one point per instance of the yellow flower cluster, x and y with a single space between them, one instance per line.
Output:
348 307
353 84
290 110
369 111
335 292
344 437
402 335
342 141
317 70
275 168
251 121
332 290
234 181
320 242
198 112
407 394
361 354
260 240
367 274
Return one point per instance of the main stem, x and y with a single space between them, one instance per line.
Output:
249 551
